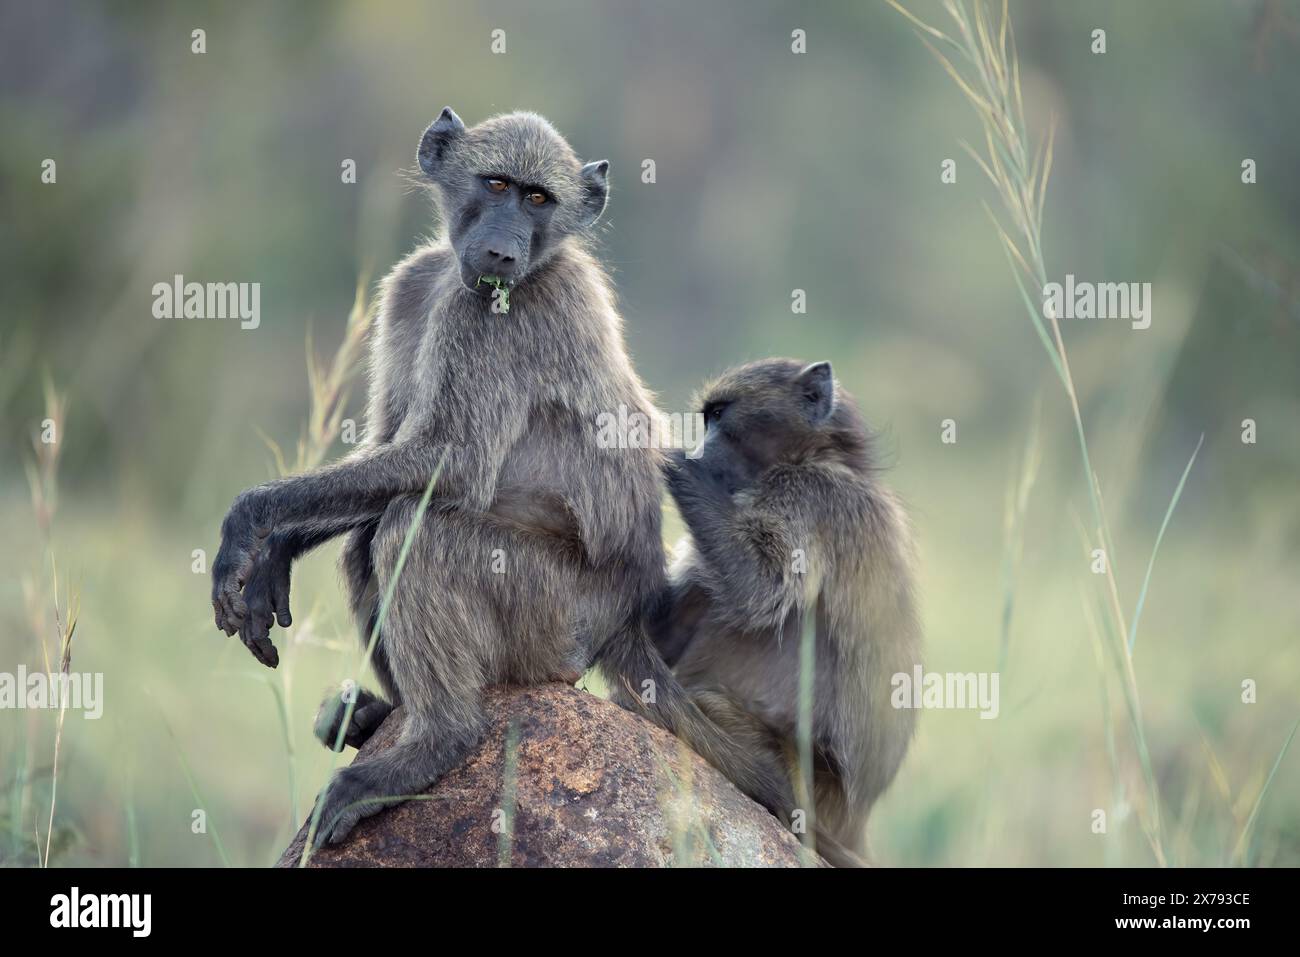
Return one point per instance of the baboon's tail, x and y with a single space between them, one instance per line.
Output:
836 854
640 681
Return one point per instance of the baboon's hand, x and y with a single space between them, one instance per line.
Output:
673 460
692 483
266 597
242 540
680 469
368 713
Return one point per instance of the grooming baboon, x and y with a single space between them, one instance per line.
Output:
788 519
541 550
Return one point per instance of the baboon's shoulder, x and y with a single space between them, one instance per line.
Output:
409 289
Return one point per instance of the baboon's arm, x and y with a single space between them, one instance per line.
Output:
288 543
755 560
335 497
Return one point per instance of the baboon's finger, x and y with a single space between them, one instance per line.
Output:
674 459
255 636
280 602
229 573
227 618
235 609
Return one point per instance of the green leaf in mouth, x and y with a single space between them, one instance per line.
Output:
499 284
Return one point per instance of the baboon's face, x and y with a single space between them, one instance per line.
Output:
511 190
763 413
495 232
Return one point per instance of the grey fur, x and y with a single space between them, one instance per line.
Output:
786 473
512 401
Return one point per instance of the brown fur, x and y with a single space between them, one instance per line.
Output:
777 480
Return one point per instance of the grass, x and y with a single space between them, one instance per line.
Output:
65 620
329 382
688 834
43 468
989 78
987 73
805 790
981 59
329 388
45 607
1155 549
209 823
1013 528
1240 851
509 786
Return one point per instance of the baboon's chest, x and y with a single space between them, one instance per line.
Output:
476 364
470 373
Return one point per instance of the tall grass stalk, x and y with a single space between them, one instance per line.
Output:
43 483
132 834
210 824
1122 662
1155 549
1117 798
688 833
804 736
1013 528
329 388
66 622
279 694
678 803
43 469
509 794
1240 853
987 71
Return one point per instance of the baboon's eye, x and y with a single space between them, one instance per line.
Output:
537 198
713 411
497 185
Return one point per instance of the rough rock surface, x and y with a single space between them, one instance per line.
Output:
594 786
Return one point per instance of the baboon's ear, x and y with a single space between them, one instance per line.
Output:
816 383
442 132
595 191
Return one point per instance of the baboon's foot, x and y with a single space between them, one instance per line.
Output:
368 713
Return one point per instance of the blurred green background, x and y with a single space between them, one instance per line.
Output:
775 171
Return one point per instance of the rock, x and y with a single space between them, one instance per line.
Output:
595 786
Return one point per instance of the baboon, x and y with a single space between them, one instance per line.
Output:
787 520
496 348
